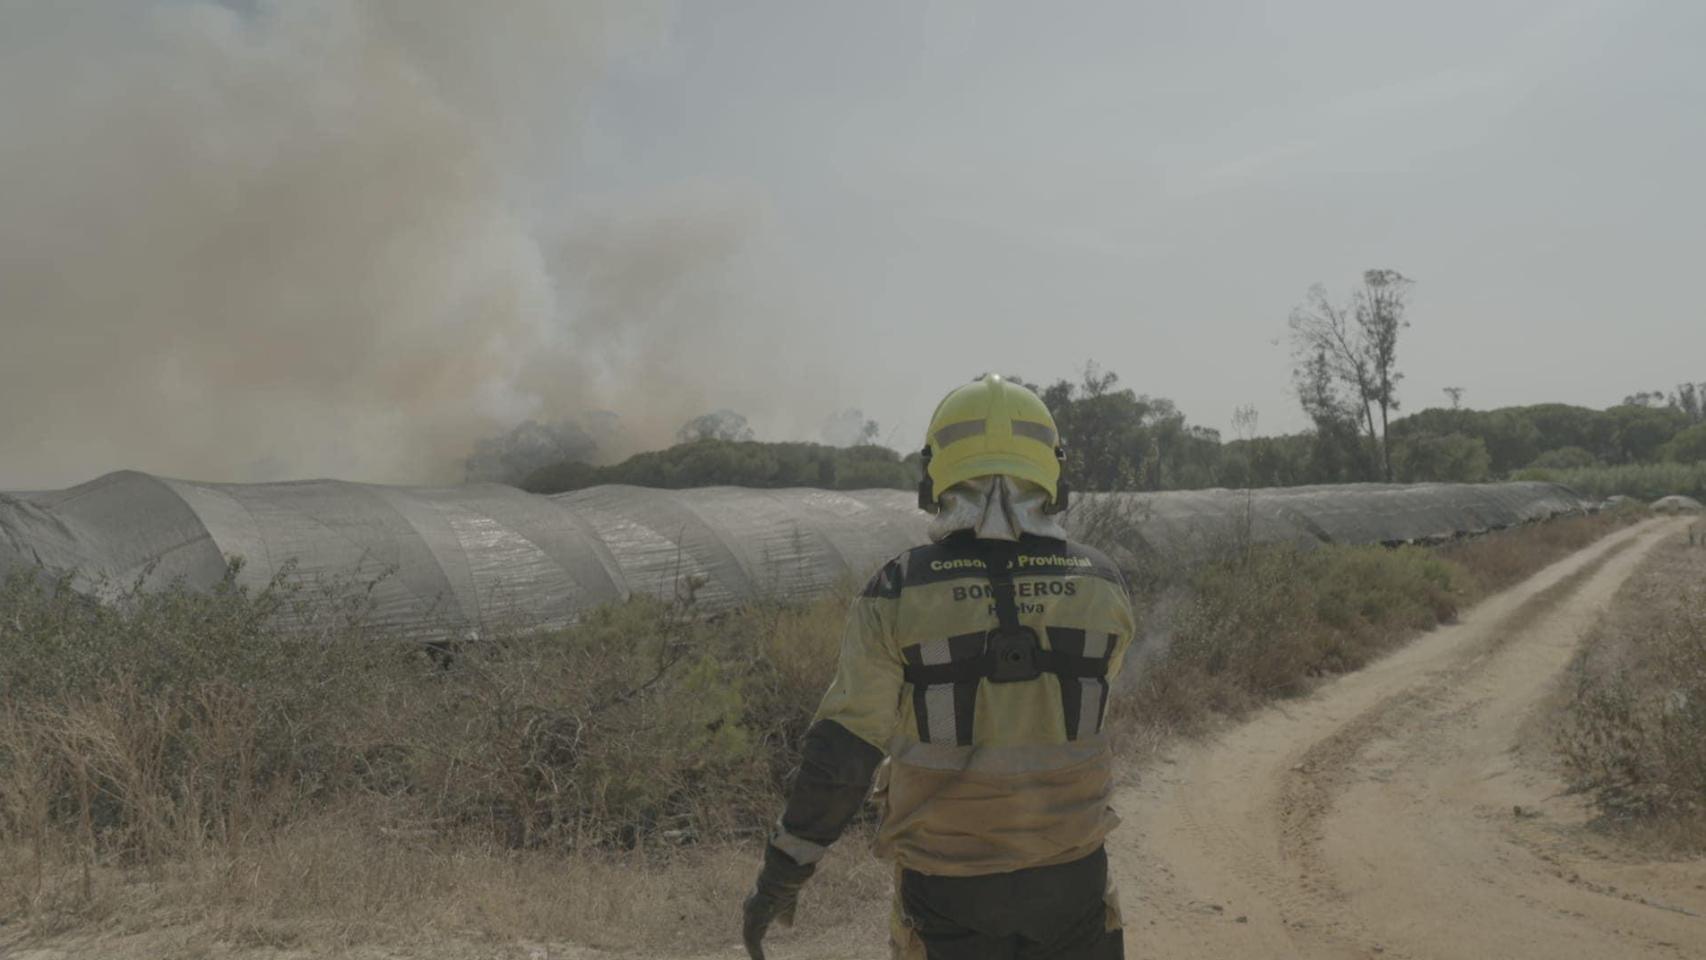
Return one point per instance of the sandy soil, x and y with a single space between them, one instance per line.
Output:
1405 811
1393 814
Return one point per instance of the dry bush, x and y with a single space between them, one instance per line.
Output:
235 760
332 881
149 727
1258 622
1265 623
640 724
1634 735
1500 560
188 735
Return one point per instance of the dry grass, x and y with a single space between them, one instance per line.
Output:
180 758
176 760
332 881
1502 560
1634 735
1264 623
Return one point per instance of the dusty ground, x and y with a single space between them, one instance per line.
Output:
1395 814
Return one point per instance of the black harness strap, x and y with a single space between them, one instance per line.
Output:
1010 653
998 566
1063 665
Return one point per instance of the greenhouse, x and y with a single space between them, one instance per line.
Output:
465 559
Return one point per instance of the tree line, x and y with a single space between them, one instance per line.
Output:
1346 377
1119 439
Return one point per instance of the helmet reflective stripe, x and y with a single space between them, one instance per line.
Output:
1040 432
954 432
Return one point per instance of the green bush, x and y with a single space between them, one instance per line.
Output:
1563 458
1689 446
1643 481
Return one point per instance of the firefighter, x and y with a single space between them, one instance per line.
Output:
979 666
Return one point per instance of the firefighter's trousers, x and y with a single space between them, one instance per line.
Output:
1063 912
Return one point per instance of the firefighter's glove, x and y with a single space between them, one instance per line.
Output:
773 898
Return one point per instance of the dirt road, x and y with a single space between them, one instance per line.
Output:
1404 811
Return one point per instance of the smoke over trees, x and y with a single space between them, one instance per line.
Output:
725 425
850 428
1118 439
511 457
262 240
714 462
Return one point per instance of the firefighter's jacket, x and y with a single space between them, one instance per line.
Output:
983 777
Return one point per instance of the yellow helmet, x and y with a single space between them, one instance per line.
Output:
991 427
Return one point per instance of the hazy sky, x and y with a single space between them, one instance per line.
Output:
791 207
1023 186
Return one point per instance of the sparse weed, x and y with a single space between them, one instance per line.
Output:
1634 735
225 750
1499 561
1260 622
1267 622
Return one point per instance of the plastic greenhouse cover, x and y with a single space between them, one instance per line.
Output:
460 560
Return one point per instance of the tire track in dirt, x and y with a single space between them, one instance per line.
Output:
1375 817
1309 789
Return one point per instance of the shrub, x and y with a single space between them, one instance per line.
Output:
1267 622
232 729
1263 622
1689 446
1634 735
1564 458
1643 481
162 722
1497 561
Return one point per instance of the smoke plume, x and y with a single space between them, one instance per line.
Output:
260 240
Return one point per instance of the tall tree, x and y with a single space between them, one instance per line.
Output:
1336 453
1118 439
1690 398
1354 346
